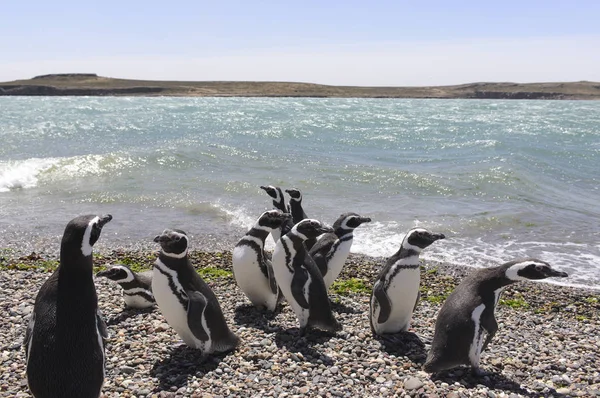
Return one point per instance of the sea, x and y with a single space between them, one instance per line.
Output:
502 179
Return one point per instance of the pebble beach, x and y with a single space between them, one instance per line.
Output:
547 344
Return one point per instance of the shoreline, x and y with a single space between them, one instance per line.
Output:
547 343
89 84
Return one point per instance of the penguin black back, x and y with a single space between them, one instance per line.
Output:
64 340
468 312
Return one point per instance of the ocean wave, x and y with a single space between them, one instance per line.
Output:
24 174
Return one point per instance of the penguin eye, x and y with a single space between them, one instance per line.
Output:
540 268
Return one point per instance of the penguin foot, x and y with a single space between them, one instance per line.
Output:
479 372
396 338
270 315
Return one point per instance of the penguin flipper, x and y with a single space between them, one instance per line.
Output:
28 334
417 300
385 304
321 262
298 283
271 275
102 328
195 312
490 325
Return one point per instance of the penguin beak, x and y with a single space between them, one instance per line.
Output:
160 238
552 272
435 237
104 220
364 219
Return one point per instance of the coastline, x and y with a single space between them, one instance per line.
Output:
547 343
89 84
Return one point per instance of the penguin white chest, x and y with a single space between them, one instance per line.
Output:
403 292
336 263
276 235
251 279
284 275
171 308
477 343
136 301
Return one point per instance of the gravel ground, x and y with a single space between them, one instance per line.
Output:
547 346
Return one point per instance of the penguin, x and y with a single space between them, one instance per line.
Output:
185 300
295 205
279 203
137 287
64 341
396 290
300 280
252 269
468 312
298 214
332 249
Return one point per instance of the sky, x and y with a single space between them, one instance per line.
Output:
363 43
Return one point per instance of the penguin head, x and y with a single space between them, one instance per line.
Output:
83 232
309 228
274 192
295 194
420 238
531 269
118 273
273 219
173 242
349 221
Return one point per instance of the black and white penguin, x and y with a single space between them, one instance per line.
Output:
332 249
468 312
279 203
137 286
300 280
298 214
64 342
396 289
252 269
185 300
295 205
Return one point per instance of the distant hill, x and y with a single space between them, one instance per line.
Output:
91 84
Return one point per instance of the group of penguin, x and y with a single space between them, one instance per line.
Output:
65 338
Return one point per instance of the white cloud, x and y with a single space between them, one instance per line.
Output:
392 64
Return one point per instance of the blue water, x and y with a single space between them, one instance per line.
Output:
502 179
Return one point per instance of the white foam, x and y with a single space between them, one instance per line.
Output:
380 239
580 261
23 174
237 216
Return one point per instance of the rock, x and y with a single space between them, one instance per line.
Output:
413 383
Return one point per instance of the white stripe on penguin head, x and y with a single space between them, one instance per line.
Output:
86 248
